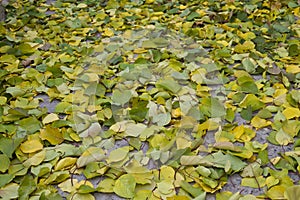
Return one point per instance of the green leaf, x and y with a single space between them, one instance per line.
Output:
283 138
134 130
25 48
247 113
253 101
169 85
85 189
5 162
195 192
5 179
27 186
10 191
247 85
30 124
162 119
212 107
121 97
220 160
63 107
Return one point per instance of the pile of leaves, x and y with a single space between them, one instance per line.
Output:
137 86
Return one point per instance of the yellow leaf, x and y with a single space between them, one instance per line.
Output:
139 50
108 32
106 185
238 131
251 99
271 181
246 46
182 7
294 69
247 134
176 113
258 122
50 118
84 182
223 42
52 135
149 1
207 188
68 185
2 100
178 198
291 112
78 196
257 182
65 163
209 125
167 173
275 160
31 146
244 154
276 192
246 36
182 143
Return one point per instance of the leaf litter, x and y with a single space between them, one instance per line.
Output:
158 99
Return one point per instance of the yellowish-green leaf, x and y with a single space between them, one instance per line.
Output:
276 192
106 185
50 118
65 163
258 122
2 100
90 155
271 181
118 154
36 159
246 46
68 185
52 135
31 146
283 138
292 193
10 191
78 196
5 162
291 112
256 182
125 186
